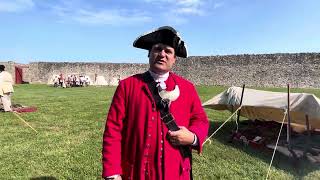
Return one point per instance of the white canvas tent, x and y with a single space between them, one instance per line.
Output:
100 80
270 106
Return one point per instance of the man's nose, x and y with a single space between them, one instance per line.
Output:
162 53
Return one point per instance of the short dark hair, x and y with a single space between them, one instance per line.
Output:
2 67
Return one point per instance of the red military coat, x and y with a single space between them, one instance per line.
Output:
134 143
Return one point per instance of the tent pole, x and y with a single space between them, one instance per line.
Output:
289 121
238 114
308 131
308 125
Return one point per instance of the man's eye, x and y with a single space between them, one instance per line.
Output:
157 49
168 51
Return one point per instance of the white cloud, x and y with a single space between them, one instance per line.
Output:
190 10
109 17
102 17
15 5
189 3
179 11
182 7
181 2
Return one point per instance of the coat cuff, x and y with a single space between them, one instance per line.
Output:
110 171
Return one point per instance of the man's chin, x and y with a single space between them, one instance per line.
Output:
160 69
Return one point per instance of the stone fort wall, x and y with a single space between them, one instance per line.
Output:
42 72
262 70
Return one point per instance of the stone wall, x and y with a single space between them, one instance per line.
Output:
42 72
263 70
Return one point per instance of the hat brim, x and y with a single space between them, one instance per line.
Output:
165 35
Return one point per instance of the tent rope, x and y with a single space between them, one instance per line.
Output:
208 139
19 117
275 148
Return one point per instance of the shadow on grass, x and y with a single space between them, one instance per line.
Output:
44 178
297 168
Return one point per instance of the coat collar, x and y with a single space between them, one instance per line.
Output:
170 82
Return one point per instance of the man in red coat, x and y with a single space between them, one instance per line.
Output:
137 142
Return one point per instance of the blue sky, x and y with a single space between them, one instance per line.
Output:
104 30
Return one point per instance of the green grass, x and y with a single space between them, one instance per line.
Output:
70 124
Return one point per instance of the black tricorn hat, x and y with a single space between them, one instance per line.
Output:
165 35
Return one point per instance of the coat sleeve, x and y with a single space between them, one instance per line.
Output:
199 123
111 150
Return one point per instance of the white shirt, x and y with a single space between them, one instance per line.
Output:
160 78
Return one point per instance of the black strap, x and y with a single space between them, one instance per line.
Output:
166 116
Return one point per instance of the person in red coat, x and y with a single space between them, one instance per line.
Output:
137 143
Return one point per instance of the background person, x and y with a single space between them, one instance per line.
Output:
137 144
6 88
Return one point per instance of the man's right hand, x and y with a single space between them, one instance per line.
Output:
181 137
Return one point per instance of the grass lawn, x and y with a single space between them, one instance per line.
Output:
70 124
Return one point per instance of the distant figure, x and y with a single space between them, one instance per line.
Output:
6 88
74 80
61 79
69 80
77 81
87 80
55 81
81 80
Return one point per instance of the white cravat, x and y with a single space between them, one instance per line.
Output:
160 78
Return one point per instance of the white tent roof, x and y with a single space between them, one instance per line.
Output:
101 81
270 106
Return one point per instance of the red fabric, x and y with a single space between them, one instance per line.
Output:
129 123
18 75
25 109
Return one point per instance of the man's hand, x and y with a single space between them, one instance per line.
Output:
181 137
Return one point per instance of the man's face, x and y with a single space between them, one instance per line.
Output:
161 58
